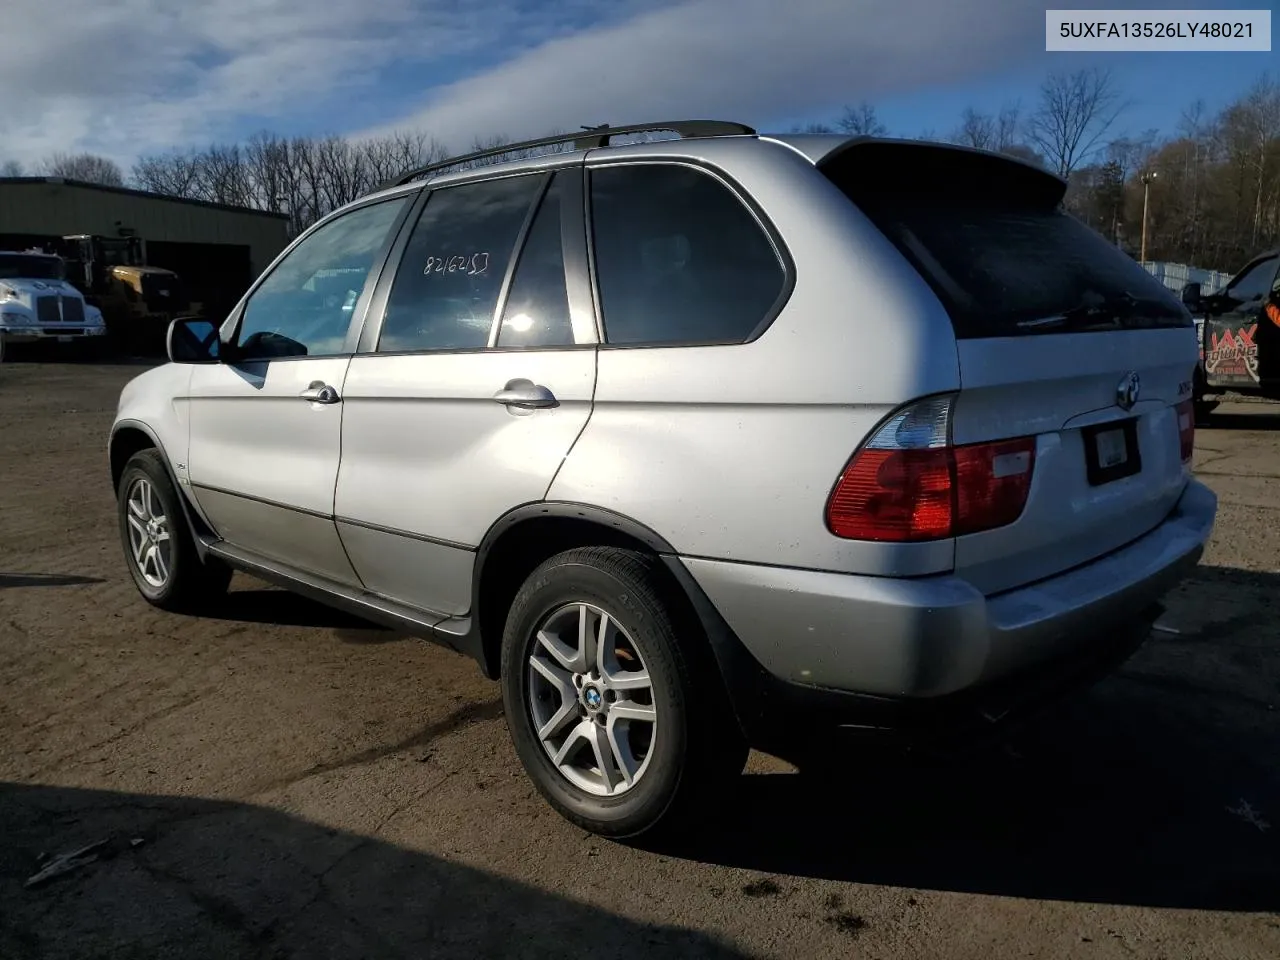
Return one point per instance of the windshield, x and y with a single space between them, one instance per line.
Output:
29 267
117 254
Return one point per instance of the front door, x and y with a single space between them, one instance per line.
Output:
266 427
1241 339
473 388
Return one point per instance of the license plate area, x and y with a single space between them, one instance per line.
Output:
1111 451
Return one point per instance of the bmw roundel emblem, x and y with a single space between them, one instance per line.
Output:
592 698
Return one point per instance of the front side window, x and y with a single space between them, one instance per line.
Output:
305 306
446 290
1254 282
679 258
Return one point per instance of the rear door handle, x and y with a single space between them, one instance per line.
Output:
526 395
320 392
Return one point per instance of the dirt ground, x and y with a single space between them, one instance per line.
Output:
286 781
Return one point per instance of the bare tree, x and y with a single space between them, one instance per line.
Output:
11 168
1259 116
1076 111
224 177
976 130
267 166
1008 125
391 156
814 128
173 174
862 121
88 167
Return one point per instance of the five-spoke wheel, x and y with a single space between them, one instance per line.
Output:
158 544
149 539
618 720
591 699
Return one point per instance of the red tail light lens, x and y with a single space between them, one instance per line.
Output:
1187 428
909 484
992 483
895 495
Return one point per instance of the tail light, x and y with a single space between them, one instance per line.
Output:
910 483
1187 428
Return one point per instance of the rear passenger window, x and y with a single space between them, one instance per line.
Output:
679 258
446 290
537 309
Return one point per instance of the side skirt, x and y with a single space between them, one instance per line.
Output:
452 632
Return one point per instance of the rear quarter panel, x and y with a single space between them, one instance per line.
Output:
730 452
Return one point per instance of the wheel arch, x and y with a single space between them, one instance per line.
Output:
129 437
523 538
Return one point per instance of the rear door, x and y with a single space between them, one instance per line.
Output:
468 394
1060 336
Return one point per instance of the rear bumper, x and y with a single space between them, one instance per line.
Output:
925 642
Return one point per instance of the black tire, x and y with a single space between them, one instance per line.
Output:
190 585
697 744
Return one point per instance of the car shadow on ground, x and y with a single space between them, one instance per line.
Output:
44 580
77 355
1159 787
192 878
1242 421
268 605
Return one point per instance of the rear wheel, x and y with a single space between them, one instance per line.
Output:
621 729
158 545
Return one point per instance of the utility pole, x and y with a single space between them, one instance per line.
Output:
1146 197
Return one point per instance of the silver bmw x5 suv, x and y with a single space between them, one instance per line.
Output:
694 444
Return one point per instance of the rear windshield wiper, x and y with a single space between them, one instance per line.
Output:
1110 312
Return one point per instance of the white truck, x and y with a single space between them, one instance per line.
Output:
37 303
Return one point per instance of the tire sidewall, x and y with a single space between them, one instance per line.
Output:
145 467
553 585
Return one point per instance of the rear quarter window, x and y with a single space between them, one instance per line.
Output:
679 258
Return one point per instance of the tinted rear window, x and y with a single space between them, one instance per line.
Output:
1001 252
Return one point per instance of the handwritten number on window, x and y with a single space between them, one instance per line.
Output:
472 266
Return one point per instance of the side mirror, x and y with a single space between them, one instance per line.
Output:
1191 296
192 340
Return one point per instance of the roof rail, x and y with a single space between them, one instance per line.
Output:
591 137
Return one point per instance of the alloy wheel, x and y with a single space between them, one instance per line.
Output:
149 539
591 699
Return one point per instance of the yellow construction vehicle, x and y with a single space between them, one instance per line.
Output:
137 300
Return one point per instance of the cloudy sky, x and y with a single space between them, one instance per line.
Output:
130 77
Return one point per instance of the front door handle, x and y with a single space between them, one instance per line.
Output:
320 392
526 395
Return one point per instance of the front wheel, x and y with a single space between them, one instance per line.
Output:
619 723
158 545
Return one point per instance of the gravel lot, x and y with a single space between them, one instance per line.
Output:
286 781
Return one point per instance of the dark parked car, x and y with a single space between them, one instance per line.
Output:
1239 333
